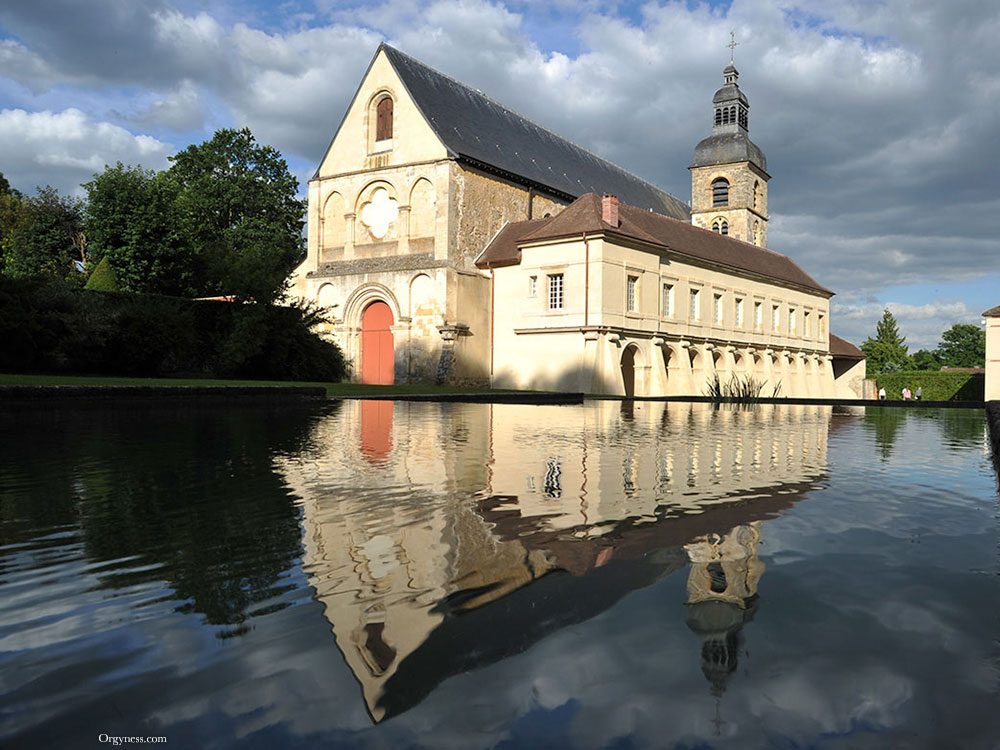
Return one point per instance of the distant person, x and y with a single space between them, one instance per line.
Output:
881 393
907 394
920 392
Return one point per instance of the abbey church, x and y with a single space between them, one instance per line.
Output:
454 241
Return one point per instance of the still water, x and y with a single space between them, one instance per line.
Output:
379 575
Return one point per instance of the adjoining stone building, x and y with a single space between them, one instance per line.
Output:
992 317
425 172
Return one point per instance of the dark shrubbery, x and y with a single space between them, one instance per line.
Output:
938 386
55 327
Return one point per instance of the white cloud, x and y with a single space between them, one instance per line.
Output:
66 148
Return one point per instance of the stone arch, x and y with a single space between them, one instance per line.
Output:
334 234
423 209
363 296
632 367
325 295
377 210
421 295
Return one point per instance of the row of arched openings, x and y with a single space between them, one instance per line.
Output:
732 115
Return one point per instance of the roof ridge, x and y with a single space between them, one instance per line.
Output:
531 122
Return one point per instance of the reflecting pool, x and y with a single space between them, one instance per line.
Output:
375 574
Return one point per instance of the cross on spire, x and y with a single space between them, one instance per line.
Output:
733 44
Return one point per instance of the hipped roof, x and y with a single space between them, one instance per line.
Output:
650 228
485 134
843 349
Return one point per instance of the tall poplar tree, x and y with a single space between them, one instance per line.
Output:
887 352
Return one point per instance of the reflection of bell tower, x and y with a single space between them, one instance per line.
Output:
722 597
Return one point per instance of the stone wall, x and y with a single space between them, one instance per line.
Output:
480 205
993 422
740 213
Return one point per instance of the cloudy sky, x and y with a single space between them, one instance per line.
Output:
879 118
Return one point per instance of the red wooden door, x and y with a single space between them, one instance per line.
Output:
376 345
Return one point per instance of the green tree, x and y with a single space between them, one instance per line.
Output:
103 278
131 220
888 349
11 214
963 345
923 359
239 214
47 239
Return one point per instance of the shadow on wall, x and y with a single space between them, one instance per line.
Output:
577 379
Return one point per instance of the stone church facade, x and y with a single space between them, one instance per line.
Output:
427 242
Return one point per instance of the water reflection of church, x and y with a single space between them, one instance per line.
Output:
469 532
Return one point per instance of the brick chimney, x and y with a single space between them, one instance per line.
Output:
609 210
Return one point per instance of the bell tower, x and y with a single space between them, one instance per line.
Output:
729 172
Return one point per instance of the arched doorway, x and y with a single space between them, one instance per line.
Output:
628 370
377 357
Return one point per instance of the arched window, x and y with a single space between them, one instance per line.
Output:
720 192
383 120
756 193
756 233
718 117
720 226
743 118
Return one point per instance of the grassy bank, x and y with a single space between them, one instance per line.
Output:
333 390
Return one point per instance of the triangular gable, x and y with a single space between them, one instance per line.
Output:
414 139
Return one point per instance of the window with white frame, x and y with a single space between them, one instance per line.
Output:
532 286
632 293
822 326
668 300
775 318
806 324
758 316
694 305
793 321
739 312
717 309
555 291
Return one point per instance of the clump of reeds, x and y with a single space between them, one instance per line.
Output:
745 388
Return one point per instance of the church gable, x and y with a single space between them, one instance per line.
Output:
383 126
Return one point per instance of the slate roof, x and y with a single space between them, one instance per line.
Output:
485 134
843 349
671 235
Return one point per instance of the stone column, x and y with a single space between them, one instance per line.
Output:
404 230
450 333
349 238
659 377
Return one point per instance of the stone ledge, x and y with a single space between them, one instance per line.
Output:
480 398
413 262
43 394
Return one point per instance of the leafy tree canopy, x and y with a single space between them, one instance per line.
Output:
963 345
131 220
925 360
46 239
239 214
887 347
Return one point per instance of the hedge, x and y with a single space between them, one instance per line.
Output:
938 386
54 327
